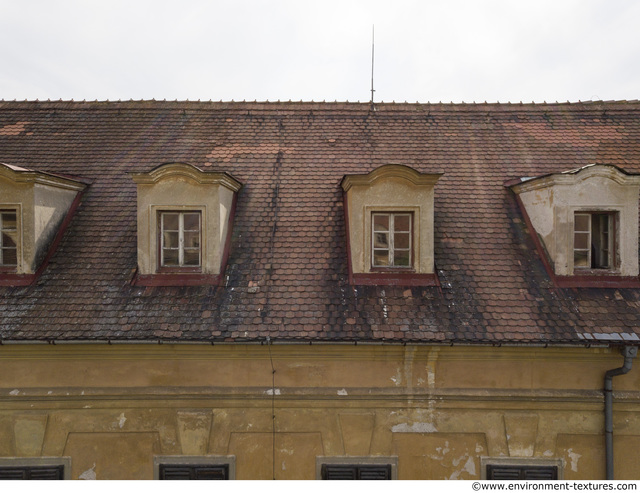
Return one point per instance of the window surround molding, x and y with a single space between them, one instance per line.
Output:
358 461
45 204
194 460
392 188
549 203
39 462
520 461
181 187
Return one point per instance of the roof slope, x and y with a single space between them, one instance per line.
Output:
289 234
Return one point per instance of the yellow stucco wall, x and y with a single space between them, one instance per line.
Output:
438 410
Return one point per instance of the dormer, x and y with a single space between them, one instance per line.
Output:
586 221
34 206
389 218
184 224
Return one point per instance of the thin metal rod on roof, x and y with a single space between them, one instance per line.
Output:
373 43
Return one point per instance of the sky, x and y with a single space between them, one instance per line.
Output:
425 51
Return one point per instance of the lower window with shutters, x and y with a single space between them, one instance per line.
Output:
194 467
513 469
357 468
35 468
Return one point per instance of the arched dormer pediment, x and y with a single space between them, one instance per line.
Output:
389 216
390 172
185 171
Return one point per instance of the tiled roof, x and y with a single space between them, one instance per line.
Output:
289 233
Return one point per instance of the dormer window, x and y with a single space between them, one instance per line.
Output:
184 225
391 240
593 240
180 239
585 224
35 208
389 218
8 239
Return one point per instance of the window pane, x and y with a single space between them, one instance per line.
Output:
192 222
580 259
8 220
381 240
401 258
582 222
8 240
9 256
170 257
581 241
402 222
170 222
380 257
191 257
192 239
401 240
170 239
381 222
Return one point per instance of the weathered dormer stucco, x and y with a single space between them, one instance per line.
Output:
552 201
41 202
393 189
180 187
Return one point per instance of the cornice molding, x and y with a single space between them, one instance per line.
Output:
390 171
17 174
185 170
575 176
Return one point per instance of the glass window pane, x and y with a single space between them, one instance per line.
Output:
402 222
381 240
401 258
401 240
192 239
381 222
582 222
170 221
580 259
8 240
380 258
191 257
170 257
9 256
192 222
581 241
9 220
170 239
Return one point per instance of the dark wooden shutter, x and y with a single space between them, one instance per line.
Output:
511 473
354 471
198 472
32 472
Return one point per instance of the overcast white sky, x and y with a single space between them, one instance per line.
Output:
454 50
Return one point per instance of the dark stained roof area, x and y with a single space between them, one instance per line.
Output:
289 234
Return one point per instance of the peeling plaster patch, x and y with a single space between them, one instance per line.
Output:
82 393
89 474
342 392
270 392
469 466
479 449
122 420
547 453
284 466
14 392
86 407
50 392
414 428
574 459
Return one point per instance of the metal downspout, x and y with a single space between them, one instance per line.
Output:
629 352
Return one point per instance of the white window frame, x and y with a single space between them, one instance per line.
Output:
16 211
181 231
392 248
612 240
